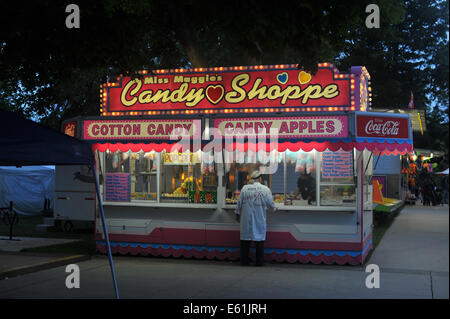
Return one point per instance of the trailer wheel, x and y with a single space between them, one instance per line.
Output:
67 226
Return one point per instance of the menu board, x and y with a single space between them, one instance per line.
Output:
117 187
337 164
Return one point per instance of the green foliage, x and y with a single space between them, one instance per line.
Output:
411 55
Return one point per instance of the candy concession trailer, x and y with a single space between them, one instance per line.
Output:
176 146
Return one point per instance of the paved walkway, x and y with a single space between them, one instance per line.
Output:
159 278
19 243
418 243
418 239
14 262
413 259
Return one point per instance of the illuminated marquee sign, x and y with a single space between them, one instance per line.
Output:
232 90
139 129
287 127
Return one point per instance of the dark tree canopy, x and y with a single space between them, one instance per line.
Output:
55 70
50 71
412 56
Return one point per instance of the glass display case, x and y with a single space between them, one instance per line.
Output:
175 177
187 178
143 170
337 179
294 178
337 195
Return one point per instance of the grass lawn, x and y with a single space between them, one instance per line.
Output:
86 246
26 227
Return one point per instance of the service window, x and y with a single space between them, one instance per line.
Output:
301 178
239 166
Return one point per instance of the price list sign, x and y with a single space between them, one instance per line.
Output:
337 164
117 187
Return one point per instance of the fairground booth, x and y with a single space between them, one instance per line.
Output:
175 147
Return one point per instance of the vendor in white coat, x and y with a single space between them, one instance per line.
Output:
251 212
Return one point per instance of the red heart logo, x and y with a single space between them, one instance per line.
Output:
214 93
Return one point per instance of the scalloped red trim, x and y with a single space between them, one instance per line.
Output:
227 255
384 148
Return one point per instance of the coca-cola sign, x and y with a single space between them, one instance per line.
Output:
381 126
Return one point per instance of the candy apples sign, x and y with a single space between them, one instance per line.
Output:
284 127
380 126
230 88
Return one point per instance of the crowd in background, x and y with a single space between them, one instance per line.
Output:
427 186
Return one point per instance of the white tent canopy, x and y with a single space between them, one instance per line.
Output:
444 172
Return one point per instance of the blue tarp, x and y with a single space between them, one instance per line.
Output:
27 187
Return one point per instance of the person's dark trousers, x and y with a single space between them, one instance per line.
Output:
259 253
245 248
